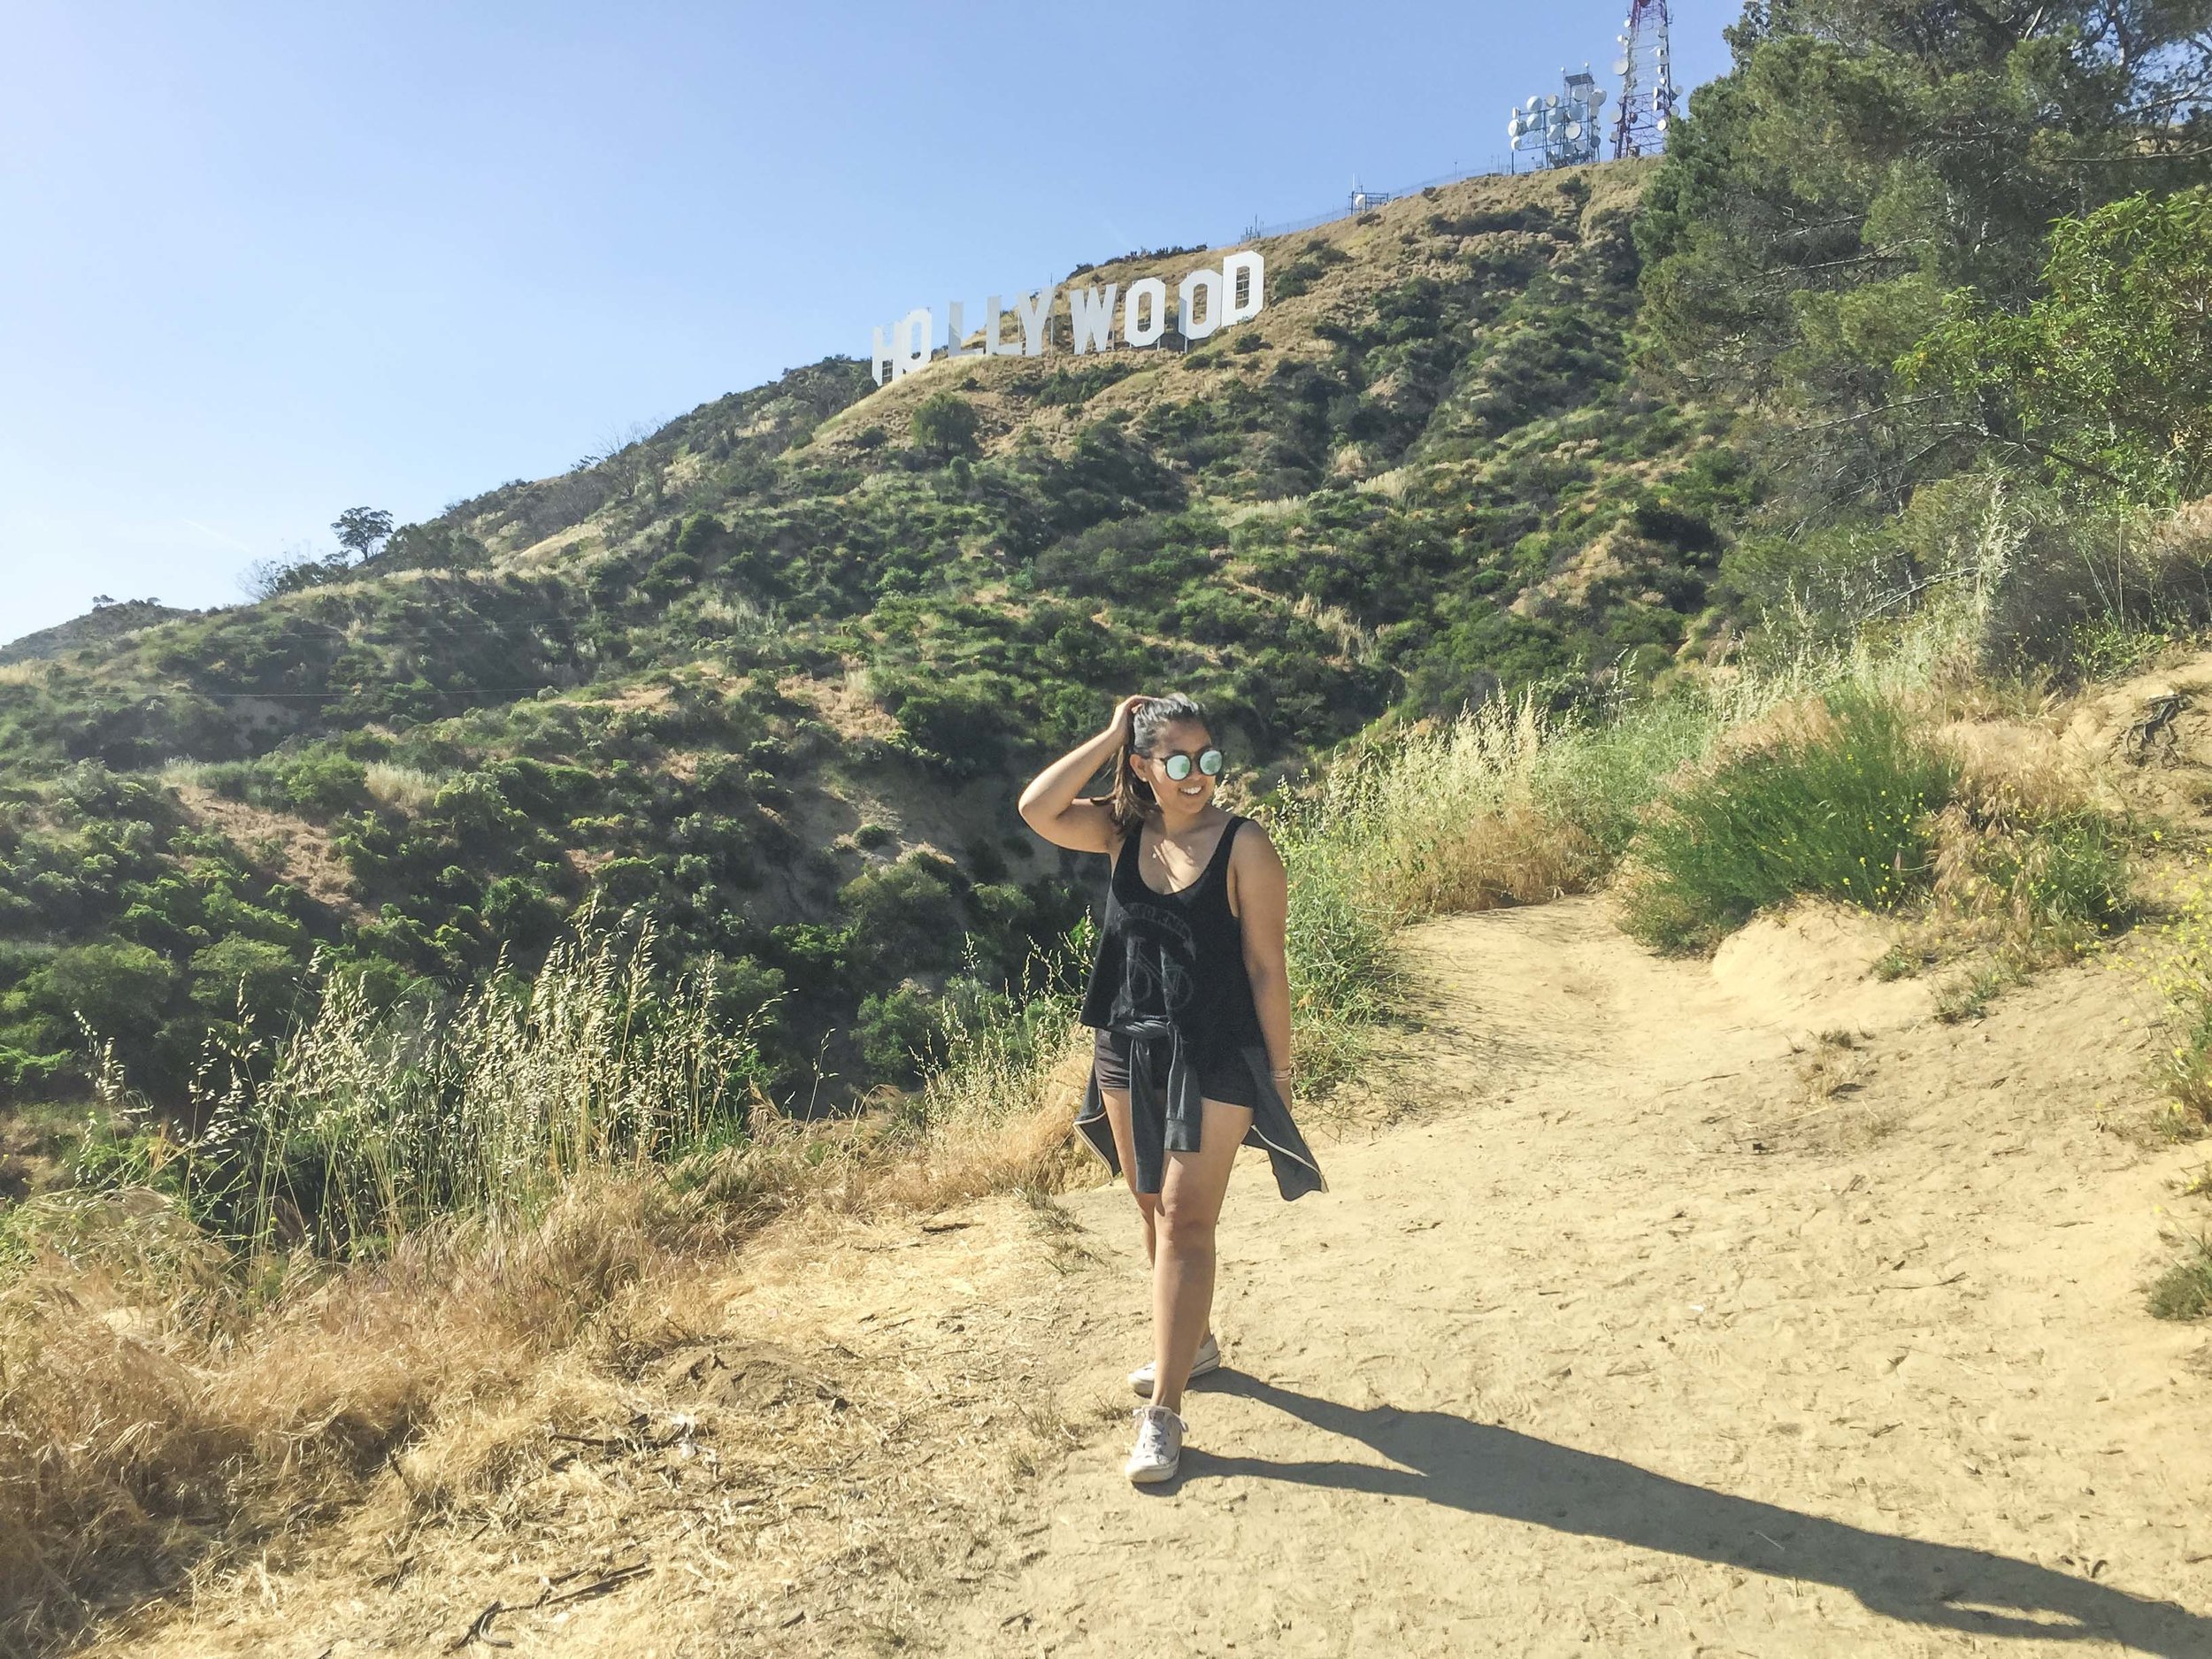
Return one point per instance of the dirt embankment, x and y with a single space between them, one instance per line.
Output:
1736 1308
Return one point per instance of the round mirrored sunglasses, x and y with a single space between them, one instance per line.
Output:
1178 766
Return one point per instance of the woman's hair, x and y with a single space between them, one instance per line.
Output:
1133 801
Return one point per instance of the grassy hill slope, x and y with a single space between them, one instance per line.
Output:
767 674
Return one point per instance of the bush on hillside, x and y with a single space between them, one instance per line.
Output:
1840 809
945 425
901 1033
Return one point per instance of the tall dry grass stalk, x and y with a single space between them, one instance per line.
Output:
136 1443
994 1115
1447 817
406 788
368 1123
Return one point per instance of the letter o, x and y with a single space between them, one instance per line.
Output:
910 342
1209 281
1252 266
1154 292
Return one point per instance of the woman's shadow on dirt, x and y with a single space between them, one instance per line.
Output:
1485 1470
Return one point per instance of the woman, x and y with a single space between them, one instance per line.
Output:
1192 1006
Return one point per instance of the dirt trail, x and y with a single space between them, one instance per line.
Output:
1679 1332
1658 1324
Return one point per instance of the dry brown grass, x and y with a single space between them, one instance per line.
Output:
293 849
1514 854
406 788
139 1437
1453 817
155 1422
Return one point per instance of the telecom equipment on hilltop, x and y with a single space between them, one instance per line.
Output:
1559 129
1646 107
1364 201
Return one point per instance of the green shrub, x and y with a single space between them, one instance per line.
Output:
2071 876
900 1033
111 987
945 424
2184 1290
1840 812
260 983
324 784
904 916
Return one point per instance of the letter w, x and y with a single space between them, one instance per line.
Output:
1094 318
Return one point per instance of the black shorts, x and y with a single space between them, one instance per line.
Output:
1227 1078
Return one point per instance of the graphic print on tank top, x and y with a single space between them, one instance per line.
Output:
1156 963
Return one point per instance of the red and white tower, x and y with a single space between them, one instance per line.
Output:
1647 105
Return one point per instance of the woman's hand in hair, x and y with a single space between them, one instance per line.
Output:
1124 711
1053 805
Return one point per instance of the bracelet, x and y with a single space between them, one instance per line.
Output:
1282 1076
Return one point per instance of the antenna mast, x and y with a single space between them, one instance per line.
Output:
1646 106
1560 129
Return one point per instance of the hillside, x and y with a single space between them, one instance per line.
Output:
767 675
99 628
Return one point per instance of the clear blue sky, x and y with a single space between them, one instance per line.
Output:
260 263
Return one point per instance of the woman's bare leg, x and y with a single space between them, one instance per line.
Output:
1183 1267
1126 1150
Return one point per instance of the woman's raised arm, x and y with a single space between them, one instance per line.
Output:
1051 805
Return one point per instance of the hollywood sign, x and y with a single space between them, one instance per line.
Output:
1207 301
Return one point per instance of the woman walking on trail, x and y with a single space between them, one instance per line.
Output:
1191 1002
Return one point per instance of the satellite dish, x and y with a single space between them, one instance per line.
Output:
1551 100
1620 65
1597 96
1513 134
1661 123
1534 103
1574 129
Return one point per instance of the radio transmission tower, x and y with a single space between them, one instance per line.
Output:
1646 106
1560 129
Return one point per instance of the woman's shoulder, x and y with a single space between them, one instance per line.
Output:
1252 843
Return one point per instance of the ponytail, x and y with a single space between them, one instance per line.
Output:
1133 801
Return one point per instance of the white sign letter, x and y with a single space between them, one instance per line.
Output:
1149 291
994 344
1208 282
906 350
1246 271
1035 311
956 332
1092 318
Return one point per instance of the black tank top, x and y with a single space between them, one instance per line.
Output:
1177 957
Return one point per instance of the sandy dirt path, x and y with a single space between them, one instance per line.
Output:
1668 1328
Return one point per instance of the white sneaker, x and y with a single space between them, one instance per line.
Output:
1159 1449
1209 1359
